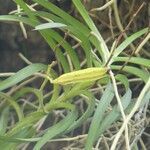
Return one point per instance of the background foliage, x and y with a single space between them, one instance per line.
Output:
86 115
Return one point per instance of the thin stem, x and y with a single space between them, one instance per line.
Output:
121 107
134 109
122 30
25 59
7 74
142 43
21 24
147 37
103 7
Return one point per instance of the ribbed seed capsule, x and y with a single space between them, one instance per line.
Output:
89 74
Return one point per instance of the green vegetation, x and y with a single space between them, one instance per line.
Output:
21 124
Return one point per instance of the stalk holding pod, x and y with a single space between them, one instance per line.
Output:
84 75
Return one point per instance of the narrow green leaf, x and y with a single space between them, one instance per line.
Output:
76 90
12 102
33 21
98 116
48 15
32 118
67 47
85 42
26 122
114 114
18 19
75 24
47 34
4 118
13 142
135 60
133 70
90 23
49 25
26 90
21 75
123 79
128 41
18 139
146 99
57 129
59 54
65 16
91 106
24 6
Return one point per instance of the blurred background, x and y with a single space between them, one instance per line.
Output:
35 49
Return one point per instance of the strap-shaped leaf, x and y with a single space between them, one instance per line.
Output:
49 26
4 118
135 60
13 103
54 35
115 113
21 75
91 106
49 38
76 26
26 122
57 129
15 18
90 23
76 90
98 116
144 75
38 93
8 143
128 41
146 99
62 14
77 34
32 118
123 79
17 139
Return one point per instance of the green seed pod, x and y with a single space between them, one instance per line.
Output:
85 75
